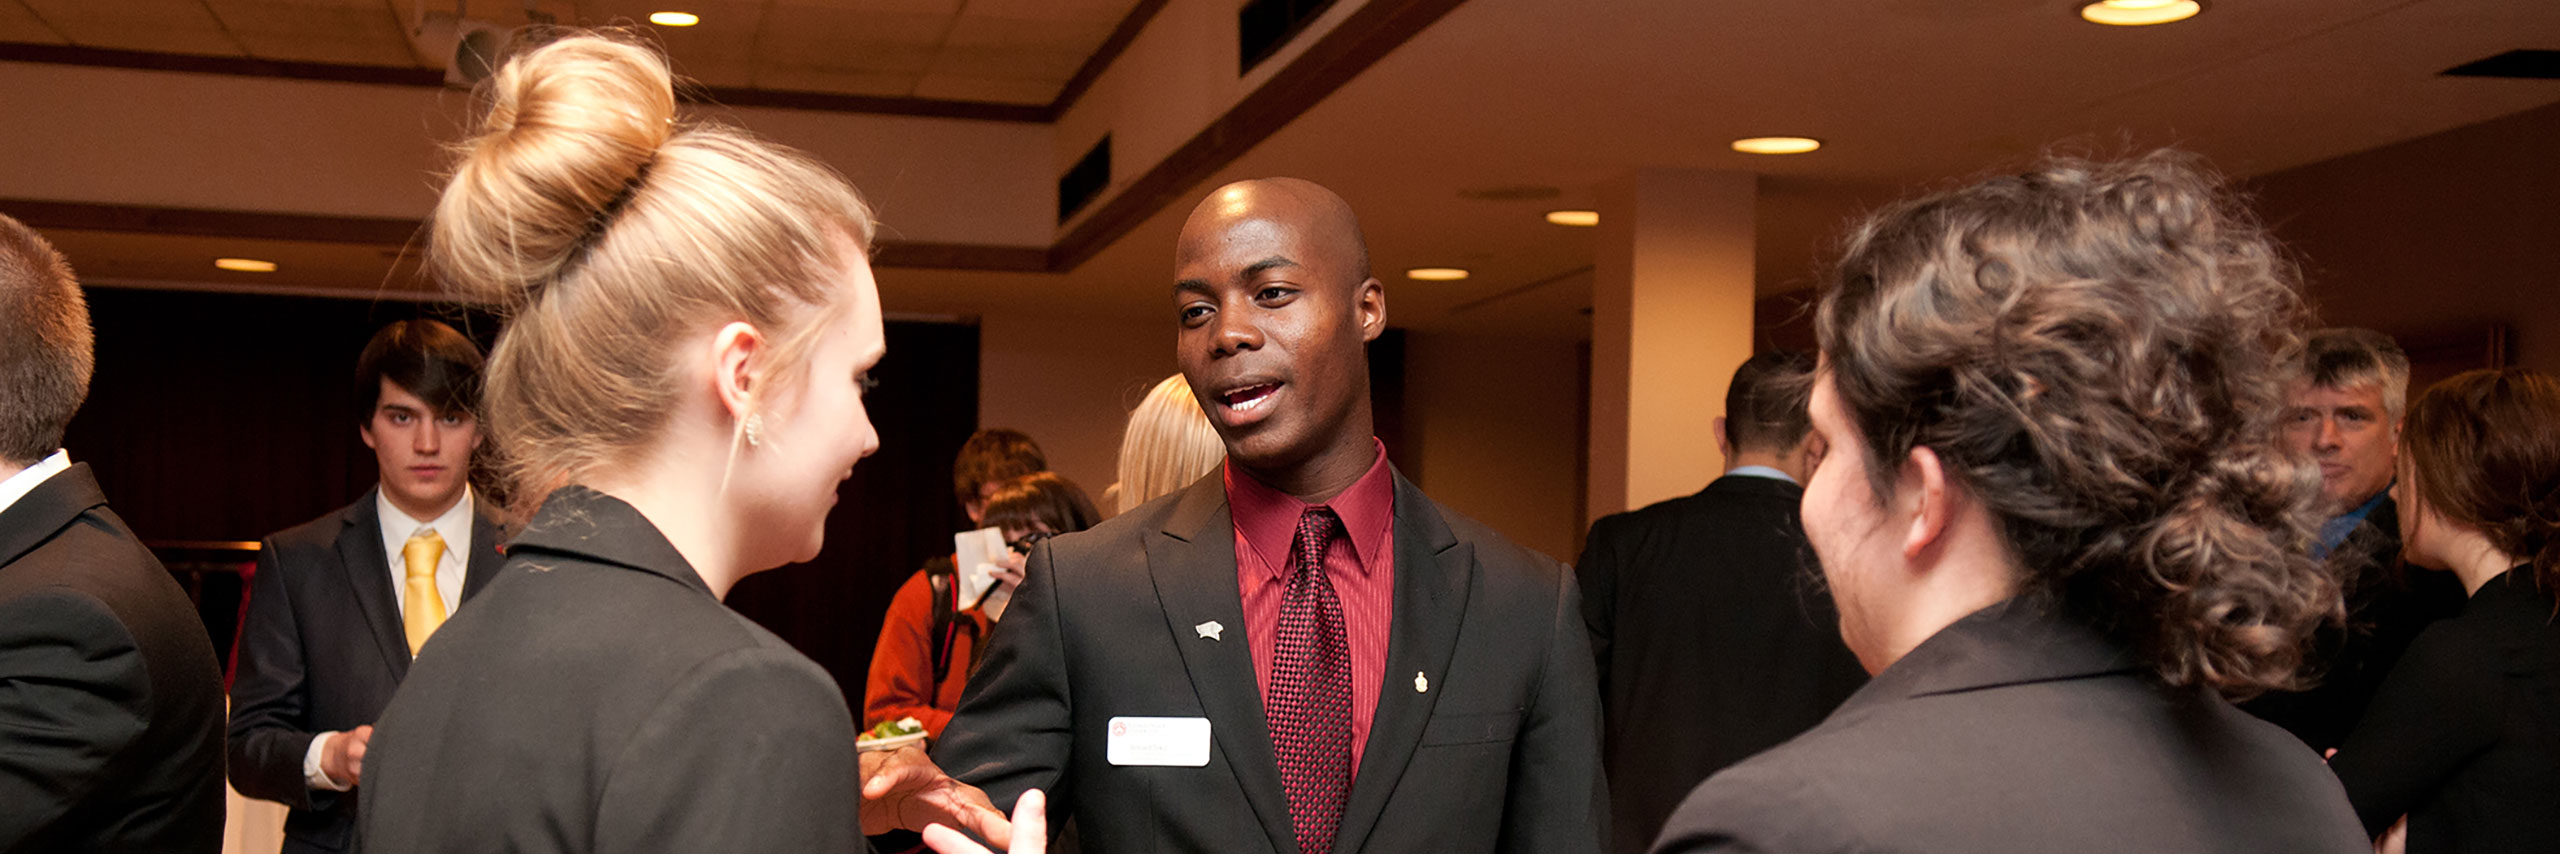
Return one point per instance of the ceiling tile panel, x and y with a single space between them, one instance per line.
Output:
316 31
19 25
1009 47
835 81
167 26
1106 12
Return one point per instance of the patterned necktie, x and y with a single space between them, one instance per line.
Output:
1310 708
423 608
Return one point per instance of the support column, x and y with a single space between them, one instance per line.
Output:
1670 320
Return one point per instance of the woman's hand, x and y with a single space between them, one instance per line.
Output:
1030 830
2395 840
1008 572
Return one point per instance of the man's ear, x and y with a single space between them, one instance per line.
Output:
1372 301
1724 443
364 429
1928 497
736 367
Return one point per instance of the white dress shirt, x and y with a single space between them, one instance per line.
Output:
27 479
454 526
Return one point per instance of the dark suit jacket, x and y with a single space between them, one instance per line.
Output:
597 697
2388 604
2012 730
1714 642
320 650
110 695
1501 753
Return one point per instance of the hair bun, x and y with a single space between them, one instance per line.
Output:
568 135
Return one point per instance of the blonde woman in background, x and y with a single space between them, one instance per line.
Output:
1169 444
679 387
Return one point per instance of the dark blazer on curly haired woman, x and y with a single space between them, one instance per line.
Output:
2016 730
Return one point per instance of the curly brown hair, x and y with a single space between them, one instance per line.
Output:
2099 351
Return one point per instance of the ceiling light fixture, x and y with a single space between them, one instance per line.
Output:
245 265
674 19
1776 144
1578 219
1435 274
2139 13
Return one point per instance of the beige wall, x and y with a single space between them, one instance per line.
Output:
1496 423
1070 383
2434 235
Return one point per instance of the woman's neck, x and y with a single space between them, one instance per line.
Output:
2475 560
673 494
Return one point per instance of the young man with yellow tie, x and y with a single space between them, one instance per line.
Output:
341 604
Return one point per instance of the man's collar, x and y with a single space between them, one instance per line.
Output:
454 521
1761 471
25 480
1268 517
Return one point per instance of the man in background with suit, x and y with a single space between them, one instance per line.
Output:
110 694
1301 653
1714 641
2344 414
341 603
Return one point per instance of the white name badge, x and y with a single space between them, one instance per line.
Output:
1178 742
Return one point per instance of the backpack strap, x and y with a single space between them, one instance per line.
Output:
941 575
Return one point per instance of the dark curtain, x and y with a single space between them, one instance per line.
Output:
896 511
224 417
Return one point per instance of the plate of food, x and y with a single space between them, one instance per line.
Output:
891 735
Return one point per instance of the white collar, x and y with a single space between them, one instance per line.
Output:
454 526
27 479
1761 471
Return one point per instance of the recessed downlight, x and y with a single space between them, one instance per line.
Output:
1577 219
1776 144
2139 13
674 19
245 265
1435 274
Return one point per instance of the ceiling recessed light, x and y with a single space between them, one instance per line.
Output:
1583 219
674 19
1776 144
1435 274
245 265
2139 13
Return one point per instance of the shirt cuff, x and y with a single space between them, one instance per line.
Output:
311 772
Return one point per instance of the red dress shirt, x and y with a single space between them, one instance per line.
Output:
1361 567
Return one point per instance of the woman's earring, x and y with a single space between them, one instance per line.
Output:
755 429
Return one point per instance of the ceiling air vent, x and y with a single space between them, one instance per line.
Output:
1085 180
2514 65
1262 26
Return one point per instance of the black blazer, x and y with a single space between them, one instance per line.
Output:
597 697
2012 730
1714 642
2464 738
110 695
2388 604
1501 753
320 650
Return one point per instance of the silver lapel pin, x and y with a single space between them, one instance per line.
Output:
1210 630
1421 684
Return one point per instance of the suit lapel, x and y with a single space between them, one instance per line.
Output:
44 510
485 556
369 575
1433 574
1193 562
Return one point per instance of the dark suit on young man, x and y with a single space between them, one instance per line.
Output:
1713 640
2014 730
321 650
110 694
1495 747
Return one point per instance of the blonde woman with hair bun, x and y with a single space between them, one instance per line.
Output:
675 398
1168 445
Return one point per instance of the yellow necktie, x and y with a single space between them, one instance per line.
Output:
424 609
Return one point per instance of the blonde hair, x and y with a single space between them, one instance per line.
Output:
1169 444
2100 351
608 231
